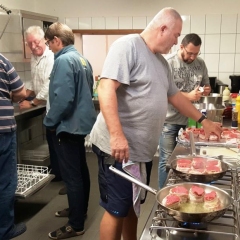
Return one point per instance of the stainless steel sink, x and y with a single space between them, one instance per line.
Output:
213 98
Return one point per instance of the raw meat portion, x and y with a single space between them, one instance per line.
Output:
171 201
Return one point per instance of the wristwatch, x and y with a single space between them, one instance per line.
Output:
201 118
32 103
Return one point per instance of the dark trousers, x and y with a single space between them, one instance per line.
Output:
8 182
53 155
74 170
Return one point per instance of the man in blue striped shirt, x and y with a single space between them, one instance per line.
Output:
11 90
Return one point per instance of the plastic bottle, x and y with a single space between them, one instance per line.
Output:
95 91
226 94
234 118
192 123
238 106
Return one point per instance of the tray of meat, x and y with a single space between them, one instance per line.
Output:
228 137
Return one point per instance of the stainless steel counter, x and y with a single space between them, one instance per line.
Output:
28 113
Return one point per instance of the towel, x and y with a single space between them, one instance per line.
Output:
138 171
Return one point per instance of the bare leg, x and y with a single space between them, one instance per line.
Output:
110 227
130 222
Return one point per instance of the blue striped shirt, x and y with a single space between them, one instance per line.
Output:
9 82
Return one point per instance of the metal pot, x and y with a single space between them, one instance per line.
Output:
212 105
212 98
200 178
226 200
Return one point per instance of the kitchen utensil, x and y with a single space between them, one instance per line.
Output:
226 199
200 178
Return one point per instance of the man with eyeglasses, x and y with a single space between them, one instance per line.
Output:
71 115
42 60
190 74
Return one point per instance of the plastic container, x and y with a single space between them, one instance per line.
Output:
226 94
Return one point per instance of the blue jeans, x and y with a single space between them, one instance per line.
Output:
74 171
167 144
8 182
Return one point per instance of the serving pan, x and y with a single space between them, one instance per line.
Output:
226 199
200 178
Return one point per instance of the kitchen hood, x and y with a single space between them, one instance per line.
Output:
12 27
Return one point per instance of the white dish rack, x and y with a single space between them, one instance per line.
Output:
31 178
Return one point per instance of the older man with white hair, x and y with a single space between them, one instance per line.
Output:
42 60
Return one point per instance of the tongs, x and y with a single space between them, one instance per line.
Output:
192 144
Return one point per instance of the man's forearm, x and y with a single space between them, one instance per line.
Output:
30 93
184 106
109 108
38 102
19 95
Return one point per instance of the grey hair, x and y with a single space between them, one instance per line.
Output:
166 16
34 30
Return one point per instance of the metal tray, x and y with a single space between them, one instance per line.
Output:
200 142
31 179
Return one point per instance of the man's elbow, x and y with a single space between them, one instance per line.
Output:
19 95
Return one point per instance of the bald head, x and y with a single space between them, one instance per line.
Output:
167 16
163 31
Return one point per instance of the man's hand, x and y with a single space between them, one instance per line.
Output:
25 105
210 126
207 90
195 94
119 147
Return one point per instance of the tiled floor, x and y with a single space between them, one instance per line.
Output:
38 210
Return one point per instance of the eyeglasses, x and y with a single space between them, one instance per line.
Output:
47 42
35 43
192 54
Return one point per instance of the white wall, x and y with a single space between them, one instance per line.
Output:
216 21
28 5
108 8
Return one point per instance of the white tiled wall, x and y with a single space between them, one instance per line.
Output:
111 22
220 34
24 71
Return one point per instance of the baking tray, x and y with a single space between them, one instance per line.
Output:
230 143
31 178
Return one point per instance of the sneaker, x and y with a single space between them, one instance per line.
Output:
65 213
17 230
65 232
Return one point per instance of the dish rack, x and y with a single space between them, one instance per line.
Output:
30 178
